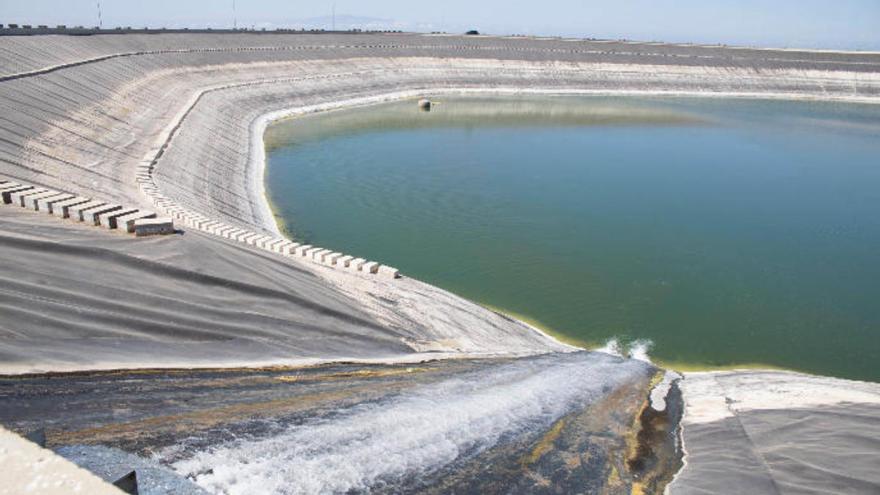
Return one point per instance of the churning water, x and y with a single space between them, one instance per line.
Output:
412 434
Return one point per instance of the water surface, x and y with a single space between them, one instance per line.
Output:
726 232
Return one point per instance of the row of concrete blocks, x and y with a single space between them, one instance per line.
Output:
83 209
284 247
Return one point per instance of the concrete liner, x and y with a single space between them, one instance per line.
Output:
61 208
126 222
45 204
109 219
90 215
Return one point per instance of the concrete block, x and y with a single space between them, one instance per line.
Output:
273 246
109 219
302 249
356 264
91 216
45 204
279 247
9 184
61 208
30 201
388 272
331 258
265 242
290 250
236 234
370 267
76 211
18 197
223 229
153 226
311 252
343 261
9 191
318 255
247 236
126 222
255 239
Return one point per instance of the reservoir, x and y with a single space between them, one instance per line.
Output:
716 232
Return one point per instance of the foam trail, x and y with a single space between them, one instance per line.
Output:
413 434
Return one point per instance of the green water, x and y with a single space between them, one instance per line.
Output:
726 232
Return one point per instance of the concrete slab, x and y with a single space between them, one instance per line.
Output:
153 226
126 222
29 468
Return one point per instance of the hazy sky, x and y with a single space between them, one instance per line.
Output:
850 24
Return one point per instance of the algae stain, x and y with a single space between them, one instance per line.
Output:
545 444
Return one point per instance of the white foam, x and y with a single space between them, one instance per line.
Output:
637 349
412 434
